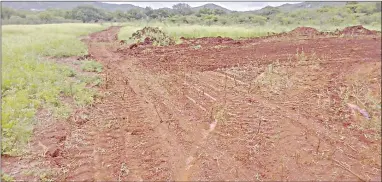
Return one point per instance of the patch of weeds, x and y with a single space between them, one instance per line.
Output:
62 111
69 72
124 171
197 47
29 82
301 57
273 80
41 174
97 81
87 96
311 60
6 177
79 92
16 124
91 80
91 66
68 88
358 93
46 177
219 46
219 113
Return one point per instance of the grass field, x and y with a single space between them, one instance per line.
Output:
31 82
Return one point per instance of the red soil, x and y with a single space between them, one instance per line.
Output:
304 31
357 30
186 113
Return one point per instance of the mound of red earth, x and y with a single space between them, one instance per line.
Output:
357 30
304 31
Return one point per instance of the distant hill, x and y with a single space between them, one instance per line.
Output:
40 6
211 6
300 6
309 5
113 7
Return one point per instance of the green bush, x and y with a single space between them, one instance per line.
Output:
350 14
91 66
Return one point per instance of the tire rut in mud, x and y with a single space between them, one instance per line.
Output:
118 142
156 127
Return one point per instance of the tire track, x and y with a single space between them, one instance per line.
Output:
220 130
312 138
118 134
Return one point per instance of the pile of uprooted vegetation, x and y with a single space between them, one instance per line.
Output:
152 36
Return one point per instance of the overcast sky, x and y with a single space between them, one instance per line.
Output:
236 6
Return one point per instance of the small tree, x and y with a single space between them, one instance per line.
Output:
45 16
135 14
182 9
88 13
219 12
6 13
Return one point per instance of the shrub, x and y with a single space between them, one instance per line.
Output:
91 66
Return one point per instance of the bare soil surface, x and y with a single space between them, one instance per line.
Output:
217 109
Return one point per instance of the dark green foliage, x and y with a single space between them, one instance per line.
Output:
182 9
307 13
135 14
269 11
88 13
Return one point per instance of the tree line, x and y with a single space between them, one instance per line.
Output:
351 13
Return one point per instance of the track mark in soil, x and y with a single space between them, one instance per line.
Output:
204 122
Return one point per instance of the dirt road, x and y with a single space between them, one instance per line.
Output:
181 113
172 119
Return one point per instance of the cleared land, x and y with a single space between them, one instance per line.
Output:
282 107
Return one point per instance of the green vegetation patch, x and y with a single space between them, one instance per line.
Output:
91 66
6 177
31 82
317 14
